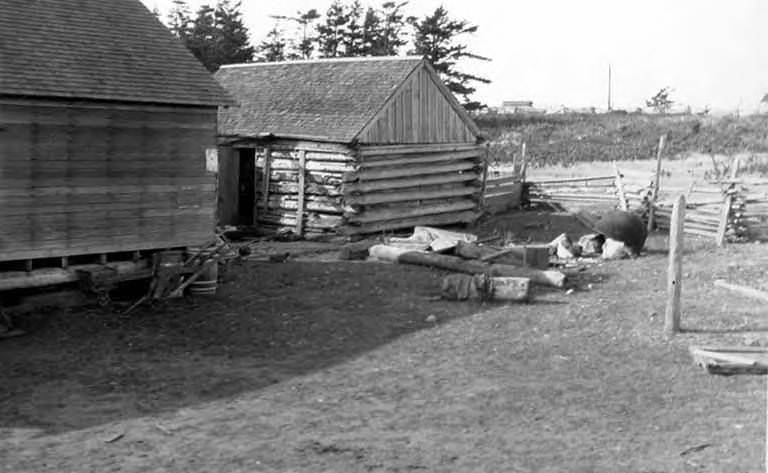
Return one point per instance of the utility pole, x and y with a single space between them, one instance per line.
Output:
609 86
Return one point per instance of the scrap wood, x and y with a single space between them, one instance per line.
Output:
743 290
536 256
731 360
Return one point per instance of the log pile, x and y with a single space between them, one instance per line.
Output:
292 182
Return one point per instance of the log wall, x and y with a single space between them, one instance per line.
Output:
90 177
367 189
401 186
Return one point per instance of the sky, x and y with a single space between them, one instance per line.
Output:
712 53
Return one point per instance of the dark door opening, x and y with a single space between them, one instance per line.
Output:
247 187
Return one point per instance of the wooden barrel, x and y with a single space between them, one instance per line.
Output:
207 282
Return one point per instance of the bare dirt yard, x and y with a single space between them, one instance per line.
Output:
333 366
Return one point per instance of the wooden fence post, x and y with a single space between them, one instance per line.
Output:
524 162
267 171
725 212
300 205
656 183
623 205
675 269
484 182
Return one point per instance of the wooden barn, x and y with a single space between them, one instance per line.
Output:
105 122
356 145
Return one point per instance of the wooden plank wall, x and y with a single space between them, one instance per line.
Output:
87 177
401 186
417 113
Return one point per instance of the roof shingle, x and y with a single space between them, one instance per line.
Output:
329 100
97 49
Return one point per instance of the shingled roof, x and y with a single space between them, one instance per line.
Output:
325 99
97 49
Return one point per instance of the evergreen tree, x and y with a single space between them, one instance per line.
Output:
232 43
180 20
273 48
435 38
216 36
352 43
330 34
307 43
392 29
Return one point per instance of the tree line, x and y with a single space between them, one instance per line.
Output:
217 35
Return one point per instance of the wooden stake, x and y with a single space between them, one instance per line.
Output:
620 189
727 204
656 183
300 208
675 269
524 162
485 177
265 180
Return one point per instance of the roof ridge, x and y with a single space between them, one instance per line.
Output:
323 60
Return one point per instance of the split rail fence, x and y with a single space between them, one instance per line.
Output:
731 209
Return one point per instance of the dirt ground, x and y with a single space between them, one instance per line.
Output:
313 366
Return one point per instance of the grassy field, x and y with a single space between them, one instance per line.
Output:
568 139
315 367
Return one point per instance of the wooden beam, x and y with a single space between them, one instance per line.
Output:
675 269
743 290
725 212
265 177
300 208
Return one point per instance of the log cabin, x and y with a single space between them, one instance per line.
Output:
350 146
105 122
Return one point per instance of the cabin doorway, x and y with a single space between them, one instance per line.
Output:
246 187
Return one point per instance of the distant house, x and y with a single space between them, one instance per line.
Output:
519 106
345 145
105 119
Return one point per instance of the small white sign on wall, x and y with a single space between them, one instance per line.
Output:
212 159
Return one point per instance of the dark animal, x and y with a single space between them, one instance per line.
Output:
626 227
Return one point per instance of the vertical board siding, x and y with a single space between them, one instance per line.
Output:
79 178
417 113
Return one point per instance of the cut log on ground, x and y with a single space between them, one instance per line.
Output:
460 265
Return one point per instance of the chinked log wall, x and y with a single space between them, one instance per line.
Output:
97 177
367 190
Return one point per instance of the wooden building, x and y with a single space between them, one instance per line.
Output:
356 145
105 119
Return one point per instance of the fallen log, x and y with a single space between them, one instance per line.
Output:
460 265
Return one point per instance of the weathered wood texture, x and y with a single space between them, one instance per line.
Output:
367 189
397 187
228 183
81 177
418 112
